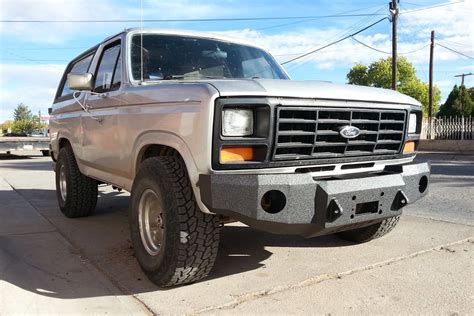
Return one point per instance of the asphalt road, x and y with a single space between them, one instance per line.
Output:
53 265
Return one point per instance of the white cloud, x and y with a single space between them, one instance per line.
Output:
286 45
93 10
52 10
448 21
33 85
444 83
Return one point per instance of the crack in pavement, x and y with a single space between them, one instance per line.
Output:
30 233
244 298
438 220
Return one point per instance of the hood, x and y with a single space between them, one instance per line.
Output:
308 89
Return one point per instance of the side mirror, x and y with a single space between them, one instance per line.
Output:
80 81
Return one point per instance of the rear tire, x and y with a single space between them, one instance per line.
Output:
174 242
76 193
374 231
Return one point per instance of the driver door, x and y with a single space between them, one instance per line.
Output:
101 148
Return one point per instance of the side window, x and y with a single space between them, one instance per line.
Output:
82 66
109 73
117 79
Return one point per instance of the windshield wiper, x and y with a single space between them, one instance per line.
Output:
171 77
213 77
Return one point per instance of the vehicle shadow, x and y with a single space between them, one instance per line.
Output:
103 241
24 162
4 156
451 166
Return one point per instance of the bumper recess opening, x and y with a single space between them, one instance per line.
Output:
369 207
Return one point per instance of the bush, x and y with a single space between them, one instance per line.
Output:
26 126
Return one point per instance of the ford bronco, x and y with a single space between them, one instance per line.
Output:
203 130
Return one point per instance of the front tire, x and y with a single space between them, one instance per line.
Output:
174 242
368 233
76 193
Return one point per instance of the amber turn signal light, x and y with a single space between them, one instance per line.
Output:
234 154
409 147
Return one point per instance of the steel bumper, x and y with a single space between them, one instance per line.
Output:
299 204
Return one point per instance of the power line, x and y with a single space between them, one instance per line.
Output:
411 3
370 47
333 43
354 27
31 60
42 48
226 19
195 20
456 43
313 19
455 51
342 33
431 7
36 60
389 53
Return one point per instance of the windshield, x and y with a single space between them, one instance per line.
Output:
178 57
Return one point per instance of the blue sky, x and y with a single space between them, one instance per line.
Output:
33 56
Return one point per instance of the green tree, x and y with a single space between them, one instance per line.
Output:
25 126
24 122
458 103
22 113
379 74
471 92
358 75
5 126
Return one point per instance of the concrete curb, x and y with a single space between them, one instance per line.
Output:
461 146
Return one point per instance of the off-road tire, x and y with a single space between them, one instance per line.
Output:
81 197
190 239
374 231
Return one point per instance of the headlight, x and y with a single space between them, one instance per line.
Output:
412 123
237 122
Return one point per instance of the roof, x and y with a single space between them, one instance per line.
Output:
177 32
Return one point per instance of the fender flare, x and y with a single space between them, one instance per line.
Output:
173 141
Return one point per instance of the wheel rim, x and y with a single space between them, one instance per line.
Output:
63 182
150 221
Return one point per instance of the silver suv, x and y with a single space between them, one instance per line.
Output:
204 130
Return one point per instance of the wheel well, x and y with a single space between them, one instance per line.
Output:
155 150
63 142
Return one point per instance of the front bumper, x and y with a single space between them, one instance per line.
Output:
299 204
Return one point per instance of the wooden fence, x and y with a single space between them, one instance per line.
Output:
453 128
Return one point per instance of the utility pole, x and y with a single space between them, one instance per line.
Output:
462 77
430 107
394 14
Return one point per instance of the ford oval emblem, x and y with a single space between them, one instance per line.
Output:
349 132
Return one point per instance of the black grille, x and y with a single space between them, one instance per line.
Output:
307 132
